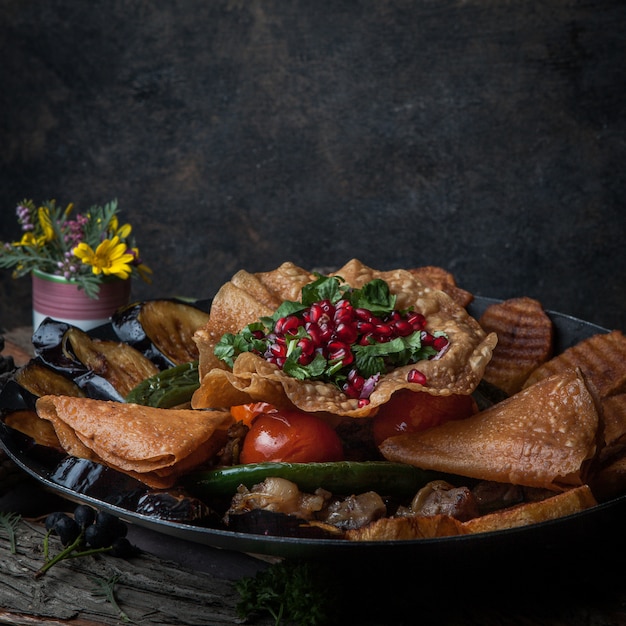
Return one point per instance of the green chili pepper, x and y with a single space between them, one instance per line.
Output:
342 477
171 387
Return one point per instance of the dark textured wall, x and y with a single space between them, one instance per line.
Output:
487 137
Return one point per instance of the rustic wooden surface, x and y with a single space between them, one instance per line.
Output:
149 591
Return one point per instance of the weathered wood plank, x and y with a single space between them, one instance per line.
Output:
149 590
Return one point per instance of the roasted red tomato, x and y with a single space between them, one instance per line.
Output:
410 411
290 436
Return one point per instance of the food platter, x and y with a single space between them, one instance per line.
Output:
596 530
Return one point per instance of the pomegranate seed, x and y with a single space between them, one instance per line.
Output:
415 376
327 307
363 402
326 332
307 346
356 380
417 320
305 359
343 316
367 340
440 343
316 312
278 350
340 351
383 331
287 325
351 391
427 338
346 333
365 328
314 331
403 328
365 315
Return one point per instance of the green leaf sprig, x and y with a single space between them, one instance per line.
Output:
105 587
9 522
289 591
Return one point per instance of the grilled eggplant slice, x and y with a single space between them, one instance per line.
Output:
104 368
41 380
162 329
122 365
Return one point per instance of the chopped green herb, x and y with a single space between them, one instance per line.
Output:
288 591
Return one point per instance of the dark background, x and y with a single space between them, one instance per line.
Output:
485 137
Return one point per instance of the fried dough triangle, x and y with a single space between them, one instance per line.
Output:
253 379
544 436
153 445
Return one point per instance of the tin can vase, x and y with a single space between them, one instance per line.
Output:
62 300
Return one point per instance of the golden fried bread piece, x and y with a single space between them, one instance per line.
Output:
544 436
243 299
153 445
525 341
28 422
559 505
614 419
253 379
601 358
416 527
439 278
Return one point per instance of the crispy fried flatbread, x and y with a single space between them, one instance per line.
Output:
440 278
544 436
244 299
562 504
253 379
414 527
601 358
525 341
154 445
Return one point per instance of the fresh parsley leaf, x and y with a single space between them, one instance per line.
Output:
324 288
374 296
286 308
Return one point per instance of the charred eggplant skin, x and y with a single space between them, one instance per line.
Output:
169 388
161 329
339 477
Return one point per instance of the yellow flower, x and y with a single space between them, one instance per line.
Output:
29 240
121 231
109 258
45 221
